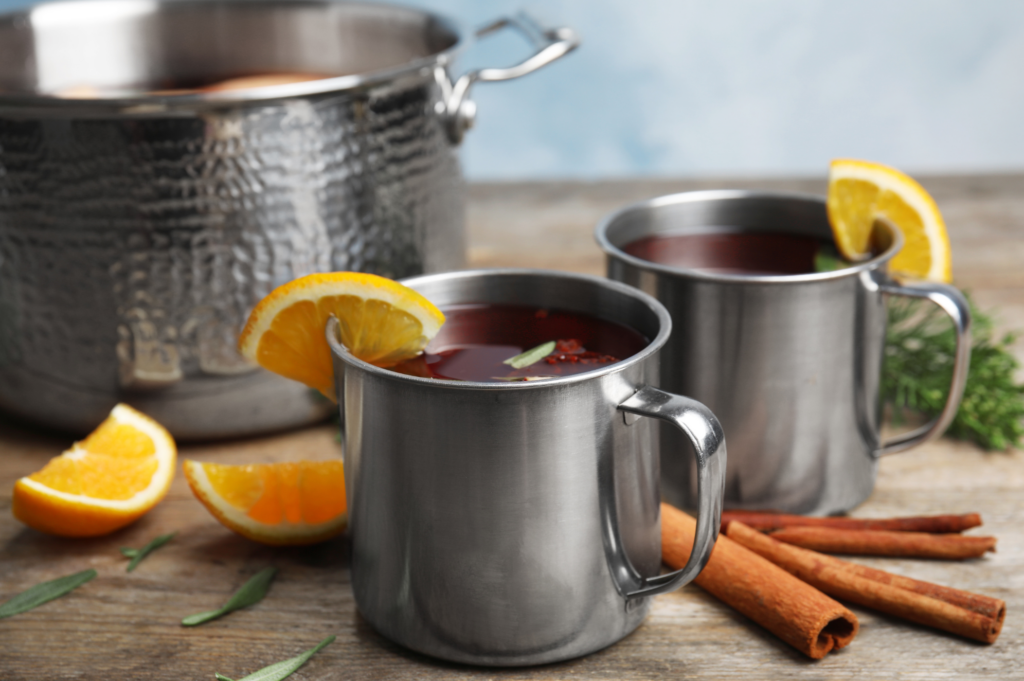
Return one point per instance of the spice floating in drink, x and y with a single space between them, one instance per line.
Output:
387 324
478 343
533 355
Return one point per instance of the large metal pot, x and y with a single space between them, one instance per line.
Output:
137 229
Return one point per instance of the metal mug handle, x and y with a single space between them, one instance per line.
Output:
549 43
955 305
705 432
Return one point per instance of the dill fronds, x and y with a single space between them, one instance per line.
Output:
918 364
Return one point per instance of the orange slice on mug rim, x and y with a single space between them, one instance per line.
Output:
861 192
382 322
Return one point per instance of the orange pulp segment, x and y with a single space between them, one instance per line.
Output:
274 503
861 192
382 322
106 481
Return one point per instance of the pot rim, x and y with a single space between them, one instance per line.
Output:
655 344
420 68
613 251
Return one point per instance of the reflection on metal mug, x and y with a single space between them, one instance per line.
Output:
790 363
517 523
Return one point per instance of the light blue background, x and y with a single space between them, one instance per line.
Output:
751 87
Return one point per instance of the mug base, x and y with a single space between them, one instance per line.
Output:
577 645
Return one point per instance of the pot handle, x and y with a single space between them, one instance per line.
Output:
955 305
550 44
705 432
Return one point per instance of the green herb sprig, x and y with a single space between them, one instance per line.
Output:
251 592
284 668
918 364
45 592
531 356
138 554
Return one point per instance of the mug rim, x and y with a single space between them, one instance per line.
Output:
713 195
653 346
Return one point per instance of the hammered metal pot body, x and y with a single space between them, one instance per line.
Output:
501 524
136 237
791 365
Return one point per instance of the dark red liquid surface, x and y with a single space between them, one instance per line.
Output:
730 252
476 340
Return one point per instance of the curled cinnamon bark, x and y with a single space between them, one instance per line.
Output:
794 611
882 543
983 605
767 521
836 578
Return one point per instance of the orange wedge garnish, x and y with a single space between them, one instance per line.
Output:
274 503
109 479
860 192
382 322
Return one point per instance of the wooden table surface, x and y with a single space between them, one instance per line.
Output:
125 626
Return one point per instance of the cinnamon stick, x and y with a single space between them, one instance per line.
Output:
835 578
983 605
883 543
794 611
767 521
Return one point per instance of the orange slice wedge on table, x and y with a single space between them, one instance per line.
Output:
274 503
861 192
106 481
382 322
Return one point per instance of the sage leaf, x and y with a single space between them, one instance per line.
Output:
251 592
138 554
45 592
531 356
284 668
828 259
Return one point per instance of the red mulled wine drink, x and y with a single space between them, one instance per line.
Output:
730 251
511 343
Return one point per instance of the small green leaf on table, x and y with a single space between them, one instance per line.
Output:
138 554
45 592
284 668
251 592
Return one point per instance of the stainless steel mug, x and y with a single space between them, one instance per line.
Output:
138 228
517 523
791 364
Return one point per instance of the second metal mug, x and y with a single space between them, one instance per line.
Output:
517 523
791 364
